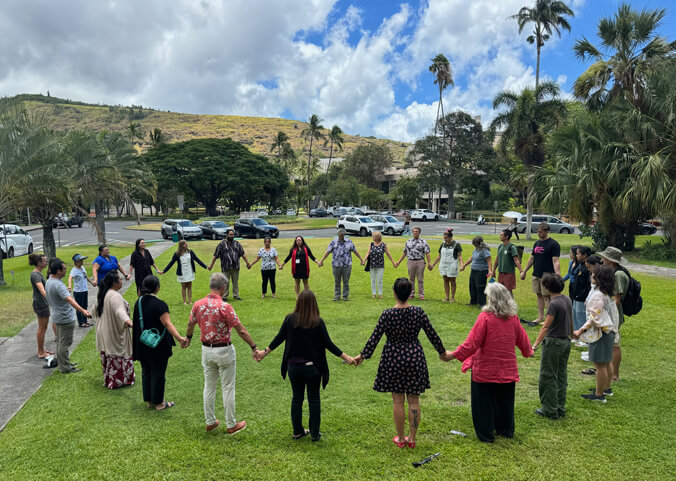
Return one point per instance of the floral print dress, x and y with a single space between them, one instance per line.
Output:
402 368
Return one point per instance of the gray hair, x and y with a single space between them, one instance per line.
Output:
341 231
499 301
217 281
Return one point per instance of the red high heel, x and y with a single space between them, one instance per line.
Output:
409 444
399 444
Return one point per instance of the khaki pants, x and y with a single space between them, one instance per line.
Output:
231 275
416 269
219 362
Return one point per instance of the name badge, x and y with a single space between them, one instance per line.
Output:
297 261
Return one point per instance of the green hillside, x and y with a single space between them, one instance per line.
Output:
256 133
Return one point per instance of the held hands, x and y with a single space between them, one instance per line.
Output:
447 356
356 361
127 276
128 323
523 276
577 334
363 261
184 342
87 314
258 355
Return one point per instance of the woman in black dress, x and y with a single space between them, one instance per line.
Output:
300 255
403 368
307 341
141 261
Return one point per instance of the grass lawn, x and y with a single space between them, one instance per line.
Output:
16 298
74 428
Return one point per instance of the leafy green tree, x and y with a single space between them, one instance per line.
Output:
367 162
547 17
406 193
373 198
280 142
217 169
529 115
157 137
313 131
135 132
629 48
335 138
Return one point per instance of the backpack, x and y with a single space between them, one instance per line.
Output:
632 302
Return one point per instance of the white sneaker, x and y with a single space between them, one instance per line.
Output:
581 344
585 356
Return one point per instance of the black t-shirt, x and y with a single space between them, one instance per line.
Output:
561 307
153 308
543 253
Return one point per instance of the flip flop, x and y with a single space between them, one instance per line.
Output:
296 437
398 443
590 372
45 356
167 405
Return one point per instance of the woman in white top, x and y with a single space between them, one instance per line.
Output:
185 270
449 260
599 330
269 262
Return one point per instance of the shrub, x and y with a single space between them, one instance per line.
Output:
659 251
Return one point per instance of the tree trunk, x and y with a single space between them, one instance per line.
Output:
48 244
211 208
451 201
537 69
309 159
101 222
529 207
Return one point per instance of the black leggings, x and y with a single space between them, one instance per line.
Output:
493 410
269 275
153 377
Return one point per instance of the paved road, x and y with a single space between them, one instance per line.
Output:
117 234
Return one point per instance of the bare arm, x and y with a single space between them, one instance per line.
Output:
70 283
257 259
543 331
557 265
212 263
356 252
517 263
95 273
244 334
528 266
77 307
166 322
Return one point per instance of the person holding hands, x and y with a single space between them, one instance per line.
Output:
449 260
229 251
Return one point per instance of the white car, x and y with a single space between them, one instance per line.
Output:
14 241
391 225
361 225
424 215
183 227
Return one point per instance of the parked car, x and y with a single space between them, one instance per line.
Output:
355 211
318 213
290 212
338 211
359 225
556 225
261 212
255 227
391 225
645 228
213 229
67 220
14 241
183 227
277 211
424 215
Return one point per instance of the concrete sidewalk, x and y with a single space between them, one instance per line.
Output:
21 372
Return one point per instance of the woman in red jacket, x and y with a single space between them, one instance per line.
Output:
300 255
489 352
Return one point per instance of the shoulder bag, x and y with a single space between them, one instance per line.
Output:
367 268
149 337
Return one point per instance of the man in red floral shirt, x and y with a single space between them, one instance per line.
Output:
216 318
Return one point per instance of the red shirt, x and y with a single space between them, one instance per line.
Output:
215 317
489 349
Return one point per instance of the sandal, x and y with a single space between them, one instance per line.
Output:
167 405
296 437
590 372
398 443
409 444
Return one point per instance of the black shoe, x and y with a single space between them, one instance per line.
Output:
540 412
345 299
562 414
607 392
315 439
336 299
594 397
237 298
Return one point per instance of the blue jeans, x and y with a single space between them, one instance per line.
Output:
579 314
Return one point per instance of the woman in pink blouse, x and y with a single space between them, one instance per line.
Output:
489 352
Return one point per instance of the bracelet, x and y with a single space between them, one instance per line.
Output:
253 347
189 337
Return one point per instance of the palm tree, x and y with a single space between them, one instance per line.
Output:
443 77
280 140
335 137
313 131
629 46
134 131
548 17
528 117
157 137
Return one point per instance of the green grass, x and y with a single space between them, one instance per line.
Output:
73 428
16 298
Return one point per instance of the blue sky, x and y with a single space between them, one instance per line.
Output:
358 64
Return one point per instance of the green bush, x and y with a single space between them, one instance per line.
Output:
658 252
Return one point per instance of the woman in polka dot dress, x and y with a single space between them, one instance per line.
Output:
403 368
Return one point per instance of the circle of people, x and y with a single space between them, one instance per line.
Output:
592 315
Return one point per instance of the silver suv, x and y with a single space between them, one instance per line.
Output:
183 227
361 225
555 224
391 225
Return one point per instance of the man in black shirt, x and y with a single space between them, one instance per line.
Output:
543 260
229 252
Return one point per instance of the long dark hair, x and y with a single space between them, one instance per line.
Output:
138 241
149 285
605 279
101 247
307 310
294 243
111 278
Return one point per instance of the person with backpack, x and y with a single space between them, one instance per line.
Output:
507 261
612 257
